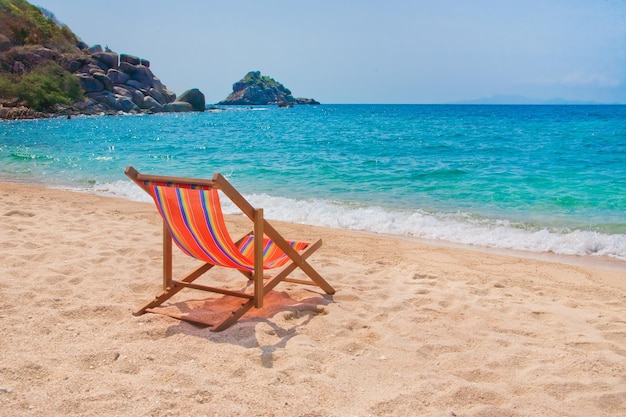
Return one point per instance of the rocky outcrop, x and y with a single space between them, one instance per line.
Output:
111 82
19 112
31 37
123 83
255 89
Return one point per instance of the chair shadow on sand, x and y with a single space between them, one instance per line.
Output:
296 313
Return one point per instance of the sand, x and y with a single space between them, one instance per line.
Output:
414 329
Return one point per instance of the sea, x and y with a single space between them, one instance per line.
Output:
532 178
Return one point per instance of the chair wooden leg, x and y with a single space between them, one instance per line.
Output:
173 290
316 279
299 261
233 317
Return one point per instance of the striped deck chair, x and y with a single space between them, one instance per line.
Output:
193 220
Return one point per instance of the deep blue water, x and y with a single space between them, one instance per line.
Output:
538 178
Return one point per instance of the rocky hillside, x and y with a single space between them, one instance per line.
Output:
45 69
257 89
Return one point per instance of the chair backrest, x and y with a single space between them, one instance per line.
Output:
191 210
196 222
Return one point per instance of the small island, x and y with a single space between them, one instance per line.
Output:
255 89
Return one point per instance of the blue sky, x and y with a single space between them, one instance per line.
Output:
420 51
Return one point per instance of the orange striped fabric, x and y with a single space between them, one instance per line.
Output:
195 220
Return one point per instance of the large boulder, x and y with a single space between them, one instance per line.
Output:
117 76
136 84
106 98
130 59
130 92
178 106
106 81
195 98
169 95
95 49
143 75
125 104
301 100
73 66
151 104
157 95
109 59
89 83
127 68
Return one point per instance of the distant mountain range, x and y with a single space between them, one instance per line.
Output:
515 99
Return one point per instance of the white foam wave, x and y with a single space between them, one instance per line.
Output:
123 189
458 228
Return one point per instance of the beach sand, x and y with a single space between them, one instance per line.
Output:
414 329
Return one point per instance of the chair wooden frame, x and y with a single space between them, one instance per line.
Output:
261 284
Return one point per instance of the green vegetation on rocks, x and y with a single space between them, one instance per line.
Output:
46 70
42 88
25 24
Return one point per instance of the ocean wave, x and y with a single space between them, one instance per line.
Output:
27 156
462 228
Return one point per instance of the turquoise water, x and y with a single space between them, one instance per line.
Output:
536 178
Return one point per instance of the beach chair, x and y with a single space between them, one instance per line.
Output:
193 219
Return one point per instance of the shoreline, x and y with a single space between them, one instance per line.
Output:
593 261
598 261
414 328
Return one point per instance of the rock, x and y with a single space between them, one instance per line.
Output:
106 81
127 68
95 49
127 91
157 95
112 82
137 85
136 94
151 104
178 106
195 98
156 83
117 76
5 43
18 68
20 112
91 69
170 95
255 89
110 59
100 64
27 57
104 97
74 66
300 100
130 59
143 75
89 83
125 104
